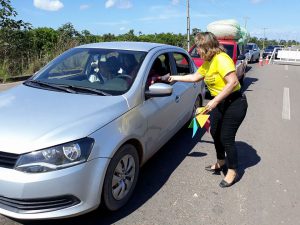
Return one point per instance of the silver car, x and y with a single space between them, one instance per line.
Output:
76 134
252 52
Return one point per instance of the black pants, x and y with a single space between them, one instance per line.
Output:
226 119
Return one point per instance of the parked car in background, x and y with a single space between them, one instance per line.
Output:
76 133
269 50
252 52
233 50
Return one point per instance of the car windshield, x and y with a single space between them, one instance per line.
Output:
91 71
270 48
249 47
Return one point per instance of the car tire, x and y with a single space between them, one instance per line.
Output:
242 80
243 77
121 177
197 104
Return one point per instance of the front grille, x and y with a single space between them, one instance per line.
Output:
38 205
8 160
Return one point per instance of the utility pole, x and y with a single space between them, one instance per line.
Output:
264 37
246 18
188 23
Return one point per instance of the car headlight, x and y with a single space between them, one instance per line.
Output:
55 158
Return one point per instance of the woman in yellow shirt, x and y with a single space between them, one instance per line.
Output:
228 107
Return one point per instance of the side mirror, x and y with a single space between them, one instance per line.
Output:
241 57
159 90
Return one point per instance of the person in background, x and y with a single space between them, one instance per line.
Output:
129 64
227 108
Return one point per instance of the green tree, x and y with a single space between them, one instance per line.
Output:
10 39
7 13
68 30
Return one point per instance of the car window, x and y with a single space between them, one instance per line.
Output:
194 53
112 71
238 50
229 49
159 68
183 66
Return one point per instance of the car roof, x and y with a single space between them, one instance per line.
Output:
125 45
226 41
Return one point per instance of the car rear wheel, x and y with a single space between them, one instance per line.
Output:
251 60
197 104
242 80
121 177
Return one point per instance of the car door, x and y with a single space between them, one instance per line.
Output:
184 93
166 115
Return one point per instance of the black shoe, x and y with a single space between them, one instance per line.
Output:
216 170
224 184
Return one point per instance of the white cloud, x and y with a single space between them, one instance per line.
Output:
49 5
175 2
83 7
110 3
121 4
122 28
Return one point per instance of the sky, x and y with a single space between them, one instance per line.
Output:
273 19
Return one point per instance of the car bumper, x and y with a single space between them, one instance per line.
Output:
63 193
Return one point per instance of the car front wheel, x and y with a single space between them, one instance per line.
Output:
121 177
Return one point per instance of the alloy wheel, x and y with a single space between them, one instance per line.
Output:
123 177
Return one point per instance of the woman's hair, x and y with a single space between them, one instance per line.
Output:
208 45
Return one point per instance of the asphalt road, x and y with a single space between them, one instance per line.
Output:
175 189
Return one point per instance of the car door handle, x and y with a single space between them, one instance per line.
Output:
177 98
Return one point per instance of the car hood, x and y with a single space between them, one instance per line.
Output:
32 119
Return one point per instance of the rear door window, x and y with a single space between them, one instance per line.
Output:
182 63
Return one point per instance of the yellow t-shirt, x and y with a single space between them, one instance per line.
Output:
214 72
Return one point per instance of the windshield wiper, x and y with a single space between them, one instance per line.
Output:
48 85
85 90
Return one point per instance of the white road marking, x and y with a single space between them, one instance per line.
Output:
286 108
286 67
